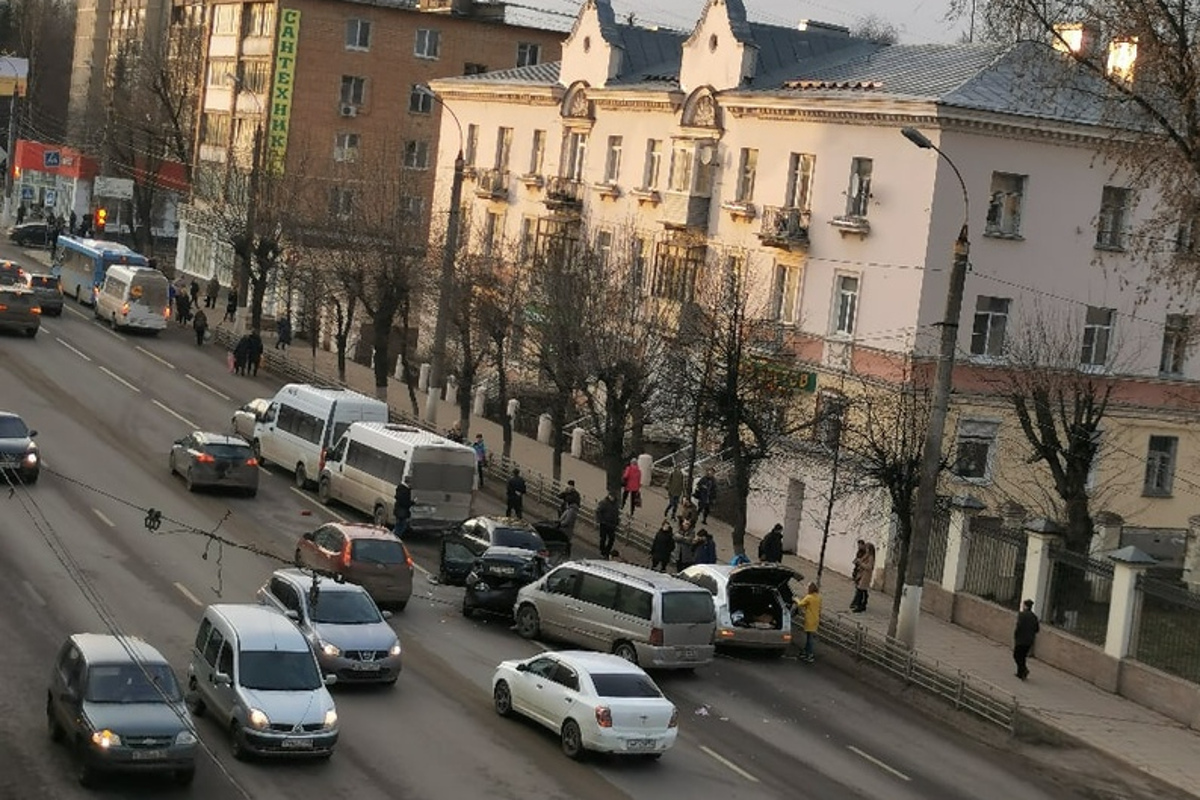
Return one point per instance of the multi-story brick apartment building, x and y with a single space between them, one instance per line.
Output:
785 146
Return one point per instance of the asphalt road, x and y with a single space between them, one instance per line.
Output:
107 407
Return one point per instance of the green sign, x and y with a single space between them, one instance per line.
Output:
283 88
784 378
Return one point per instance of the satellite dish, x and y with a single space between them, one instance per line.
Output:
708 154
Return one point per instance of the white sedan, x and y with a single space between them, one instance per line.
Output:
594 701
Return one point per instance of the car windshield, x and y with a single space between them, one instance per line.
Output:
43 282
278 670
12 428
131 683
624 685
230 452
516 537
687 607
345 608
377 551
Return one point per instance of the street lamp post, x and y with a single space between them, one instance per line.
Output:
437 376
931 457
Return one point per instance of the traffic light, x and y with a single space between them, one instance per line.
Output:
101 219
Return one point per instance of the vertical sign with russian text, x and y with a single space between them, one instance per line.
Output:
283 88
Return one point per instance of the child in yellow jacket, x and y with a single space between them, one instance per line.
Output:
810 607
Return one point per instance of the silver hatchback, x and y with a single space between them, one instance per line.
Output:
216 460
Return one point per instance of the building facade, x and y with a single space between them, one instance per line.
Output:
784 146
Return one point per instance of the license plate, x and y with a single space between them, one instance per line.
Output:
503 571
687 653
297 744
366 666
639 744
148 755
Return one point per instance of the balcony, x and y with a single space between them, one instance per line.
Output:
784 227
492 184
684 210
564 194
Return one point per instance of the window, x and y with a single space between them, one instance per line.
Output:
576 155
225 19
1187 236
504 137
604 245
256 76
858 194
472 146
354 90
214 129
429 43
640 261
747 167
1114 211
1160 466
675 270
800 180
1004 207
416 154
537 153
345 147
221 72
830 414
341 205
612 161
259 19
973 450
419 100
1175 343
528 54
358 34
597 590
991 323
201 637
1097 438
786 293
653 164
493 227
682 155
472 68
634 602
213 646
1097 336
845 304
412 210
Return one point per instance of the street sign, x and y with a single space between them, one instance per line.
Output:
52 158
26 192
51 198
114 188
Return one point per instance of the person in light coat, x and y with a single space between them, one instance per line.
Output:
864 571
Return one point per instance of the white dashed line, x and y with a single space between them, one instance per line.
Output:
72 349
878 763
108 330
311 501
204 385
177 416
47 328
713 754
119 379
37 598
183 590
100 516
76 312
159 359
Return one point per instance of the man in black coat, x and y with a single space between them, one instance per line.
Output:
569 497
254 352
608 518
515 495
1023 637
402 508
770 549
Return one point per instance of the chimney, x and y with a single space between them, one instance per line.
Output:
823 27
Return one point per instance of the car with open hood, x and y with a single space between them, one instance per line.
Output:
753 602
497 576
462 546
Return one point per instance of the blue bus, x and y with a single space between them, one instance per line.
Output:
82 263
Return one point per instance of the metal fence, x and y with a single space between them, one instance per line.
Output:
961 689
1080 594
995 561
1167 632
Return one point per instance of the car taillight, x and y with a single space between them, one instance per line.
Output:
346 555
35 310
251 462
125 310
205 458
408 559
604 716
674 723
3 307
166 312
656 636
321 460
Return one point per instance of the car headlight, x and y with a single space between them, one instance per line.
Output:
257 719
185 738
395 651
31 458
330 718
330 650
105 739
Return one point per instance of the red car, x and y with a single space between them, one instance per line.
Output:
367 555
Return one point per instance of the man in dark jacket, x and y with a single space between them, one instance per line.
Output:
254 353
241 352
608 517
662 546
515 495
569 497
770 549
706 495
705 550
1023 637
402 508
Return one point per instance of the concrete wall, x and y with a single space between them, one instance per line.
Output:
1166 694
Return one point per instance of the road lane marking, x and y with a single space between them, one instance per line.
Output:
47 328
104 327
317 503
119 379
878 763
76 312
183 590
37 598
72 349
204 385
177 416
159 359
100 515
727 763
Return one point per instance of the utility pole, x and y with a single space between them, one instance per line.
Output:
12 146
931 456
242 279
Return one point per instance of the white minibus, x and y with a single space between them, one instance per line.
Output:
134 297
362 471
303 421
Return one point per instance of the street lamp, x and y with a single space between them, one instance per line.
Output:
931 457
437 376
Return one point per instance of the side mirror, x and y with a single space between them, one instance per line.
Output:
522 667
221 679
330 680
386 614
32 434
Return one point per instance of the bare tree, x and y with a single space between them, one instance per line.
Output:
41 31
875 28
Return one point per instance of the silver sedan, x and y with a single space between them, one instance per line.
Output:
216 460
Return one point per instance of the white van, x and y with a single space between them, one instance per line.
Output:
134 297
303 421
362 471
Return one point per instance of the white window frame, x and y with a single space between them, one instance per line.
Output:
612 159
653 166
801 169
1160 466
416 154
747 172
640 259
341 202
355 28
353 97
493 231
604 247
1115 205
472 145
785 293
428 43
575 154
858 191
994 322
419 101
1098 326
412 209
346 146
1005 204
1175 344
976 432
528 54
844 319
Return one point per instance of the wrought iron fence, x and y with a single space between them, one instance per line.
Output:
1080 593
995 561
1167 633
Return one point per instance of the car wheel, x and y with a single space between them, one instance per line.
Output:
31 332
572 740
56 730
323 491
502 699
184 777
191 486
379 516
626 651
85 773
528 624
301 477
237 746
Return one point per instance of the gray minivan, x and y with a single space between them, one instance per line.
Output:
651 619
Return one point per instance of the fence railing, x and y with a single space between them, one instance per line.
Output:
1167 632
995 562
1080 594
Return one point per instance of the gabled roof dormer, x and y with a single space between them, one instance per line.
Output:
721 52
593 52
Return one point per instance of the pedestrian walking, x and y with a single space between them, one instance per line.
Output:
662 546
254 352
566 521
1024 636
283 332
706 494
480 456
200 326
685 544
770 549
569 497
73 223
705 549
241 353
402 508
183 305
194 292
608 517
674 491
864 572
515 495
21 214
809 607
631 486
212 292
231 306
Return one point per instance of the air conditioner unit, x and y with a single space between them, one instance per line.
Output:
349 110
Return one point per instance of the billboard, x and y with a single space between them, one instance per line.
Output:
282 88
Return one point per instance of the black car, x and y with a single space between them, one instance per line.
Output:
31 234
461 547
19 455
497 575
